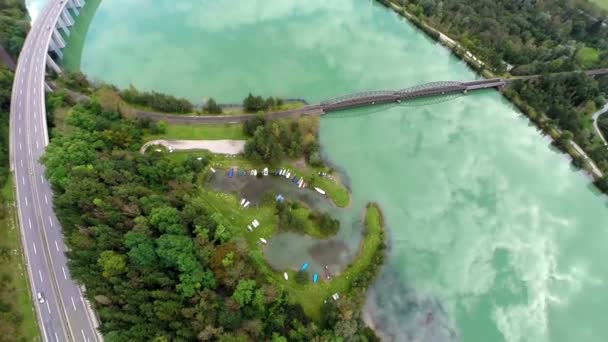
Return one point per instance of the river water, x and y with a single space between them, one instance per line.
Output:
493 236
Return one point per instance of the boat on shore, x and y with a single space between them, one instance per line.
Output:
231 173
304 267
265 171
315 278
319 190
286 276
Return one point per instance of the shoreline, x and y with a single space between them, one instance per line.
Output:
555 133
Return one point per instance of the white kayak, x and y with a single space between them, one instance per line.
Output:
285 276
319 190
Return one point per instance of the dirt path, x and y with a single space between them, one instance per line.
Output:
214 146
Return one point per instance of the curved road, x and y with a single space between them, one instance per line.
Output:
65 315
595 117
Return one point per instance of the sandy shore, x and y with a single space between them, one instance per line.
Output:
215 146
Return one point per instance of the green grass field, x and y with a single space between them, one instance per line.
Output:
201 132
587 56
601 3
17 292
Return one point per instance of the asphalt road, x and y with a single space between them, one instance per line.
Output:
65 315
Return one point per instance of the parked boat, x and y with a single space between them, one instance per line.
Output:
335 296
295 179
246 204
243 201
249 228
255 223
282 172
212 169
327 273
319 190
301 182
231 172
263 240
304 267
286 276
265 171
255 172
315 278
277 172
288 174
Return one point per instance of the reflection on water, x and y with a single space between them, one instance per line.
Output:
288 250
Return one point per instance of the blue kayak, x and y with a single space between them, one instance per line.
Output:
231 173
304 267
315 278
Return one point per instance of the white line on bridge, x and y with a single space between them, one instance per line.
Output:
40 274
37 144
56 246
51 221
48 307
41 179
26 201
56 337
29 222
46 200
73 304
35 129
35 252
20 147
21 160
64 274
23 180
83 335
19 130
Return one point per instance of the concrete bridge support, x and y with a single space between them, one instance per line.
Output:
58 38
67 17
73 7
51 64
55 48
63 26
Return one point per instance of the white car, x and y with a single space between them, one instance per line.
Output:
40 297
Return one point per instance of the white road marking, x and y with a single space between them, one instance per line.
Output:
26 201
51 221
23 180
20 147
21 91
34 102
56 246
41 179
48 307
83 335
56 337
40 274
35 129
20 100
35 115
46 200
19 130
21 160
29 222
36 143
35 252
73 304
64 275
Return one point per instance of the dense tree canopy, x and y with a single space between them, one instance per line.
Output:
157 264
533 36
14 25
157 101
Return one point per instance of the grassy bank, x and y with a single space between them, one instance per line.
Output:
201 132
351 284
19 323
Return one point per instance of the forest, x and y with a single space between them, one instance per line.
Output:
155 260
157 101
14 25
531 37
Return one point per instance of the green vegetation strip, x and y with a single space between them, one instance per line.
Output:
201 132
19 323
